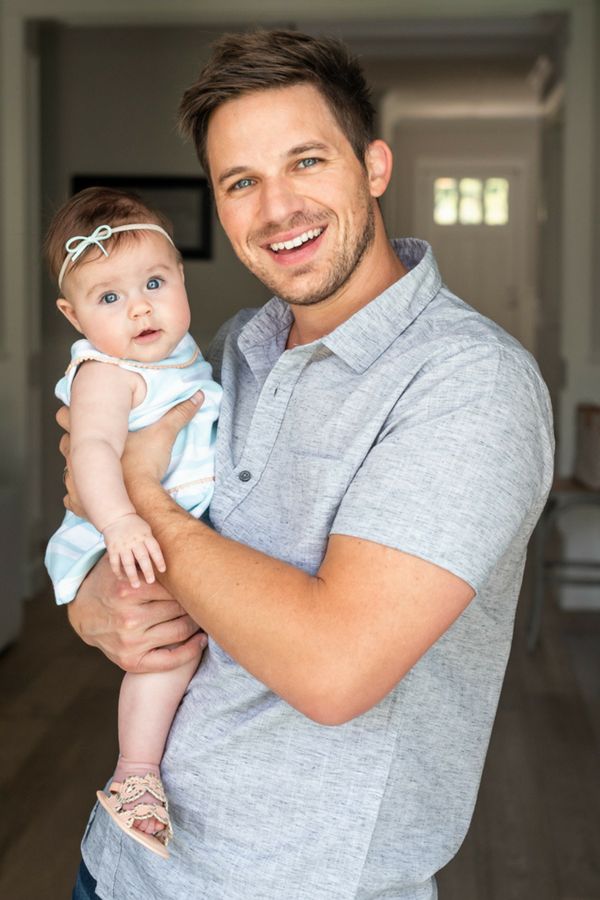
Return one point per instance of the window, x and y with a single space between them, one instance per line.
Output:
495 201
470 201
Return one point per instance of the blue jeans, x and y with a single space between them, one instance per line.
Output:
85 886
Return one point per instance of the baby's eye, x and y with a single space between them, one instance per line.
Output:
153 283
308 163
109 297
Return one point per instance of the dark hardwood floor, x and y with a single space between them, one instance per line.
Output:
536 830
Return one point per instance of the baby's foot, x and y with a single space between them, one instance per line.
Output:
140 793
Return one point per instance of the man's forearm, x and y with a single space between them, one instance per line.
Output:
265 613
333 644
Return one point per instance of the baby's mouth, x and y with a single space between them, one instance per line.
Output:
147 332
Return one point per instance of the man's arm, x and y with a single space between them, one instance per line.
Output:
331 645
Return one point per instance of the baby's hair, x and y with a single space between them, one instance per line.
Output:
91 207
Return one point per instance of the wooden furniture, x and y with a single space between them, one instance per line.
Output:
566 494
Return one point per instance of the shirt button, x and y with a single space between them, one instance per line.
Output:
245 475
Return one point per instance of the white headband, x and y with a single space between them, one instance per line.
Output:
102 233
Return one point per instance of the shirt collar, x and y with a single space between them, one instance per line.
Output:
362 338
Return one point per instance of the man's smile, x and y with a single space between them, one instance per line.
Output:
299 248
293 243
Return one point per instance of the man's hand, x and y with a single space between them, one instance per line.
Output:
70 500
143 630
147 451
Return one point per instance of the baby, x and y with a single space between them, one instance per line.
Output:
122 286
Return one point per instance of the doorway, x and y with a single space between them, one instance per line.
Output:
472 214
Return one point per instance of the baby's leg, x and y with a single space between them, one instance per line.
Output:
147 706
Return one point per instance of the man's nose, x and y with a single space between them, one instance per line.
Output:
279 200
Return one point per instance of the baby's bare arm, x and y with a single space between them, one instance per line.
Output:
101 400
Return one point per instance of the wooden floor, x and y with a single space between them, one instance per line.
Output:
536 830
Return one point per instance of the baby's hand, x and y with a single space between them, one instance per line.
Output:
129 540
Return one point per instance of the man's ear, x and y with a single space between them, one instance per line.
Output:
67 310
379 162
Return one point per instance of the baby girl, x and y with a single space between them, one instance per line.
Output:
122 287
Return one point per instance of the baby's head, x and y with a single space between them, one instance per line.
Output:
119 273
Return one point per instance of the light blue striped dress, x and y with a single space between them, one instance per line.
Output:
76 546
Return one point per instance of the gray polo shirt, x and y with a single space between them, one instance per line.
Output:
417 424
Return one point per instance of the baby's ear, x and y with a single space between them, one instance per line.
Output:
67 310
182 270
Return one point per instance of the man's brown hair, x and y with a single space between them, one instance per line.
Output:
259 60
91 207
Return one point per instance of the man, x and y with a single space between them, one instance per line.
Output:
383 455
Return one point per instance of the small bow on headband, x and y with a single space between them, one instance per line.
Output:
77 245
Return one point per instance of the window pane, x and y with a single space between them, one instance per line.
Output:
470 211
495 201
445 201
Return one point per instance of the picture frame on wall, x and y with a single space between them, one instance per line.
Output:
184 200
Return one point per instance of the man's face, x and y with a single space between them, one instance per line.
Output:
291 195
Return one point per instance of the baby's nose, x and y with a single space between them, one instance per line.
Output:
140 306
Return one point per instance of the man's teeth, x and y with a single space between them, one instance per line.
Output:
297 241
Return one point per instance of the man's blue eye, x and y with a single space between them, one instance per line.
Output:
308 163
242 183
109 297
153 284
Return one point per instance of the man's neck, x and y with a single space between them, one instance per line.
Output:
376 273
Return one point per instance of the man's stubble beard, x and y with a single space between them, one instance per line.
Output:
342 269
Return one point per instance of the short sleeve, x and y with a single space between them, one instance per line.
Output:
462 467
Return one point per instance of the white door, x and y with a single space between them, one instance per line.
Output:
472 214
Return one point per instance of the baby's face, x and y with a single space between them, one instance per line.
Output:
131 304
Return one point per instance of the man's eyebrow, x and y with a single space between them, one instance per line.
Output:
229 173
293 151
304 148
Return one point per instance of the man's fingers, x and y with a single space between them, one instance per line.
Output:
164 659
184 412
175 631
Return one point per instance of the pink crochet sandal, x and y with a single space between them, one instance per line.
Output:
131 789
